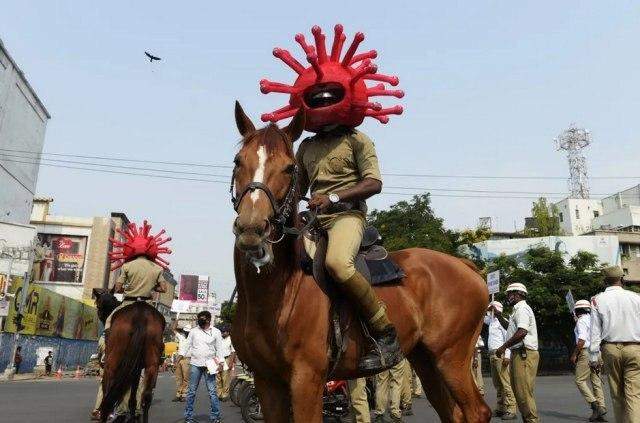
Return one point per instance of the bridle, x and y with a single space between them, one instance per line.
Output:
281 213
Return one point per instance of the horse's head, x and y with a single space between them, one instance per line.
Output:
106 302
264 183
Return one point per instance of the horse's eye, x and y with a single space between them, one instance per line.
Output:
290 168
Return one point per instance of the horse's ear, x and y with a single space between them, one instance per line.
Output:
96 292
244 124
296 126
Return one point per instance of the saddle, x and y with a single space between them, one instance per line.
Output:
372 261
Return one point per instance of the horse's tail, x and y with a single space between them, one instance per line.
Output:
129 369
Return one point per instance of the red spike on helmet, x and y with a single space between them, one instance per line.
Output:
332 90
138 241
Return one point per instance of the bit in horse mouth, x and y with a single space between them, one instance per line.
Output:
260 257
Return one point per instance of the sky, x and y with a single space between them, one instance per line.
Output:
488 86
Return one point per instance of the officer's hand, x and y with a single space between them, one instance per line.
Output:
505 362
595 366
319 201
574 358
500 351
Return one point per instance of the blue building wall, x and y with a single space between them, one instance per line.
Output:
68 353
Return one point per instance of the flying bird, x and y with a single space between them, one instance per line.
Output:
152 57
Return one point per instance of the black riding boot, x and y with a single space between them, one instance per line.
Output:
384 353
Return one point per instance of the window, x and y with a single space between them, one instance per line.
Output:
577 214
561 217
596 213
625 271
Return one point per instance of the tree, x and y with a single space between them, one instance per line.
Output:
548 279
413 224
227 312
545 219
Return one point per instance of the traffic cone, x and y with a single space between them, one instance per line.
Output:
59 373
78 375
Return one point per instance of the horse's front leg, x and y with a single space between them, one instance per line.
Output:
307 386
274 398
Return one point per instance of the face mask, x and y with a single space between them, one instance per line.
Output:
202 322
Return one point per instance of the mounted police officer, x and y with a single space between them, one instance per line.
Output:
615 332
340 167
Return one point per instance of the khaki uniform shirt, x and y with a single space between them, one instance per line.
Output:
523 318
140 277
336 161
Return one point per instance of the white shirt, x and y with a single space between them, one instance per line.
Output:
615 317
497 335
204 345
227 348
523 318
583 330
182 344
479 342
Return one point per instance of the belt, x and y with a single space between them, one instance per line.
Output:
137 298
621 343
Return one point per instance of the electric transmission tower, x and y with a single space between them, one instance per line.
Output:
573 140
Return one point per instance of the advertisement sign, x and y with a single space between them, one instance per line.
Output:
570 301
59 258
203 289
48 313
493 282
188 287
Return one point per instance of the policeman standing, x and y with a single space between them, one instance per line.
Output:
615 332
580 358
522 333
500 373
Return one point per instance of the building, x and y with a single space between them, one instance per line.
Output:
576 215
71 254
23 121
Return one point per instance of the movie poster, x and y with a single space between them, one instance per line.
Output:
59 258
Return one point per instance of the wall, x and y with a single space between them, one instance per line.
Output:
621 218
15 235
628 197
67 352
23 121
572 224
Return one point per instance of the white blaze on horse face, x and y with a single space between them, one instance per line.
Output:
259 175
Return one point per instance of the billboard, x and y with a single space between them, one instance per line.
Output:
188 287
48 313
203 290
59 258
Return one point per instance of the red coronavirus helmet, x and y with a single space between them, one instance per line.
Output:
138 242
332 89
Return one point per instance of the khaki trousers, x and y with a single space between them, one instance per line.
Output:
501 377
123 406
584 375
223 379
416 388
477 372
99 395
182 372
523 381
359 402
345 235
388 386
622 363
406 398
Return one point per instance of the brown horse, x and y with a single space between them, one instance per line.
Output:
281 326
134 343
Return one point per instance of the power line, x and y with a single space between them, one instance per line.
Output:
409 175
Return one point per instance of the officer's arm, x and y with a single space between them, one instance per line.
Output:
161 285
596 333
364 189
367 160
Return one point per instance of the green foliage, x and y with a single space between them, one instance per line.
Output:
413 224
548 279
227 312
546 219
